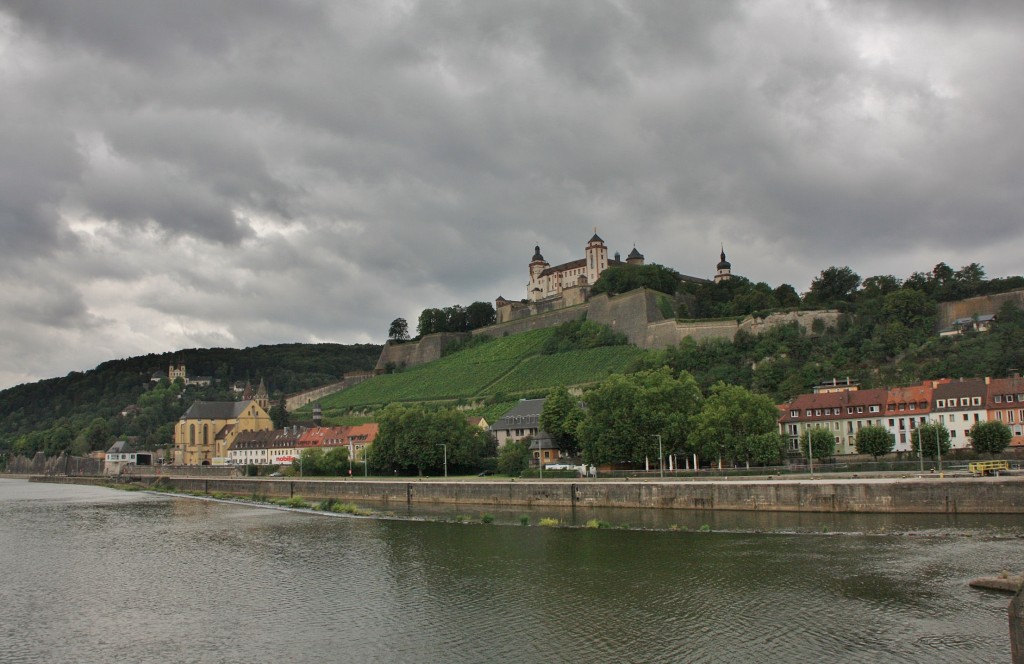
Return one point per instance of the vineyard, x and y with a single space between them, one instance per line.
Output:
507 367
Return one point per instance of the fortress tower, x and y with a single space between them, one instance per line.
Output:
723 269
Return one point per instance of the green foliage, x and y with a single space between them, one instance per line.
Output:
561 417
930 435
514 458
990 437
486 518
549 521
456 318
64 414
625 414
623 278
833 286
823 443
736 424
398 330
279 414
598 523
875 440
316 462
581 335
524 520
411 437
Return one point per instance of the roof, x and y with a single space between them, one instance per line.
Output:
262 440
122 447
525 414
952 391
833 400
596 238
634 254
536 254
215 410
573 265
724 264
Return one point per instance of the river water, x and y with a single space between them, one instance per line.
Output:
98 575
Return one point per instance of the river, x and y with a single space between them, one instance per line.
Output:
93 575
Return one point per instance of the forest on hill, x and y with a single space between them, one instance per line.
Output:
81 412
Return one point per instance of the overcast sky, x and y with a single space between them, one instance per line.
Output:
205 173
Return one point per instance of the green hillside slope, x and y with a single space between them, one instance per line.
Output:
510 366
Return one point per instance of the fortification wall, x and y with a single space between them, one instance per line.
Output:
412 353
976 306
629 313
535 322
805 319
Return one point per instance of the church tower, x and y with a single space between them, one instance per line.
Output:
724 269
596 258
535 291
262 398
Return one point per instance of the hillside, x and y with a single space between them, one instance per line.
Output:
508 367
81 411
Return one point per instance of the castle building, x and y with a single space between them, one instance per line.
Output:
548 280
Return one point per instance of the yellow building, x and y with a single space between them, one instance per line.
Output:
207 429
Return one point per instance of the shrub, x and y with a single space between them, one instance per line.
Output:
597 523
486 518
524 520
548 521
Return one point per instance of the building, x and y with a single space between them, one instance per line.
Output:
576 276
543 450
958 405
905 409
121 454
978 323
206 431
353 437
843 413
1004 402
723 271
263 448
519 422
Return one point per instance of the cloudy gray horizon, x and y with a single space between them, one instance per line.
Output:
240 172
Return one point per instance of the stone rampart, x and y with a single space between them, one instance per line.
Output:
925 495
412 353
535 322
976 306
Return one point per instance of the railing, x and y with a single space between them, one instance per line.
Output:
987 467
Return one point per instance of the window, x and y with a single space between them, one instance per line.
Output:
976 419
1009 398
997 398
860 409
975 401
849 410
964 401
999 415
952 433
1009 416
965 417
794 413
808 413
941 403
903 406
892 422
873 409
913 406
952 417
817 412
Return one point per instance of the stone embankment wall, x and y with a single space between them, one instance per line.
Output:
976 306
927 495
64 464
411 353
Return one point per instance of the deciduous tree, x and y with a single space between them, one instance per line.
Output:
823 443
990 437
730 423
875 440
929 435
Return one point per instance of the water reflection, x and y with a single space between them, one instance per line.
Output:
93 575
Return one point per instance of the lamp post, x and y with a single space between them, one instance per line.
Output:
938 448
445 450
661 458
810 451
920 448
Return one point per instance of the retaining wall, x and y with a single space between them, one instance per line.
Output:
1000 495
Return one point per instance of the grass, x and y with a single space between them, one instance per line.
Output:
510 366
550 522
598 523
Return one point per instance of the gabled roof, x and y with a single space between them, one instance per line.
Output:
215 410
955 390
525 414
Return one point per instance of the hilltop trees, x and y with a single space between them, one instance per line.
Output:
398 330
624 278
455 318
832 286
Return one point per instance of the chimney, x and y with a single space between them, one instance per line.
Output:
988 380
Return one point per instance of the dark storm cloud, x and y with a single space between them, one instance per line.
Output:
241 172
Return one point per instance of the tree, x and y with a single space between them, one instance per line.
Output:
279 414
990 437
624 414
875 440
480 314
411 437
925 436
623 278
399 330
561 418
732 423
514 457
822 442
834 284
786 296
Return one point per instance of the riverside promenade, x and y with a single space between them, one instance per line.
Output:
902 494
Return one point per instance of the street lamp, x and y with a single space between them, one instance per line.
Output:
920 448
938 448
442 445
661 458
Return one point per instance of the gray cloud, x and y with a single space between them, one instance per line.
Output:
234 173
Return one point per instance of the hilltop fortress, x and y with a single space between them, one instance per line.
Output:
561 293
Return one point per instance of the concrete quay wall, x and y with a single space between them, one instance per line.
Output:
926 495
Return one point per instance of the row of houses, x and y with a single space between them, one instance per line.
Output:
844 409
284 446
